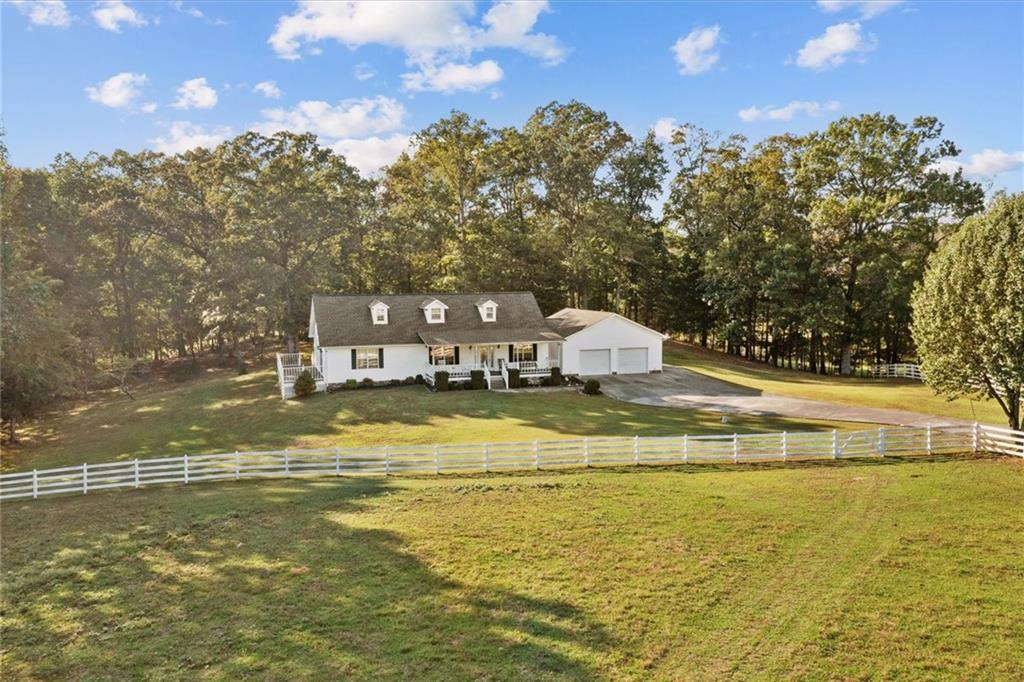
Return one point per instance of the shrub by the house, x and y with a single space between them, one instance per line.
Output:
351 384
513 378
556 376
592 387
305 385
366 383
476 379
441 380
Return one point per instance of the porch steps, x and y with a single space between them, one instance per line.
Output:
497 382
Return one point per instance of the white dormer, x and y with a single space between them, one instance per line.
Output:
488 310
434 310
379 312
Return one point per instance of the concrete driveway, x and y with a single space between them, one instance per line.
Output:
681 388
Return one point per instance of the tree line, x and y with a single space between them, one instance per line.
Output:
797 250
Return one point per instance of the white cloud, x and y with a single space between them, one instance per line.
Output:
695 53
664 128
364 72
449 78
191 11
987 162
268 89
183 136
348 118
148 107
45 12
110 14
832 48
787 112
868 8
428 32
196 94
369 155
118 91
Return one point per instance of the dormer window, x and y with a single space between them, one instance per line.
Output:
488 309
379 312
434 310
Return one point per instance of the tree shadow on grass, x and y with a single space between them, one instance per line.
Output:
275 581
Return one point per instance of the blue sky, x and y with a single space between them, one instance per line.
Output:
96 76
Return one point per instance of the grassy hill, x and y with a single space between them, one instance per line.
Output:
895 570
217 411
901 394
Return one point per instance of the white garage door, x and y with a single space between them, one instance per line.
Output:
632 361
596 361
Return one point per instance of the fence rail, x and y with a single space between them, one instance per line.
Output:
496 457
898 371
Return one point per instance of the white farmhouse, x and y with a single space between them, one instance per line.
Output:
389 337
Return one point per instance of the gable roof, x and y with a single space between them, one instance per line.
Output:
345 320
569 321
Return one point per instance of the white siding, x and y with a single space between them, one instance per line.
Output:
612 333
399 362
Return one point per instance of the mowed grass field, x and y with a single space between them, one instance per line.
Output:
219 411
907 569
901 394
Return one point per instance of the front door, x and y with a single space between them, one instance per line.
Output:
489 356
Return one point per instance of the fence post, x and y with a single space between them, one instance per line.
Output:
586 452
136 467
287 463
881 441
785 447
238 465
85 478
536 456
35 484
686 448
387 460
835 444
487 457
735 448
928 438
636 450
974 438
337 461
185 464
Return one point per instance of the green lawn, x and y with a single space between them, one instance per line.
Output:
888 393
220 411
854 570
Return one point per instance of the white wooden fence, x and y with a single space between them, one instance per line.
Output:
496 457
901 370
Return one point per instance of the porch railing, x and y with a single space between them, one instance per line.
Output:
289 367
530 368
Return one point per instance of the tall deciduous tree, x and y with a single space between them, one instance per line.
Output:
969 309
868 181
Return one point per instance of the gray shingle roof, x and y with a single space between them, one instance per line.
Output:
345 320
568 321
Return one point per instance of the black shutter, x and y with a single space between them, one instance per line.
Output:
353 358
380 358
456 355
534 358
430 355
511 358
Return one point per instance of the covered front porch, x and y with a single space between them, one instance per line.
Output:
534 360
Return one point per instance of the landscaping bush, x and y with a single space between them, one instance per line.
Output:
455 386
476 379
409 381
513 378
305 385
420 379
366 383
395 382
441 380
592 387
351 384
556 376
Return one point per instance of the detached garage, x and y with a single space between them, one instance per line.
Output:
599 343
